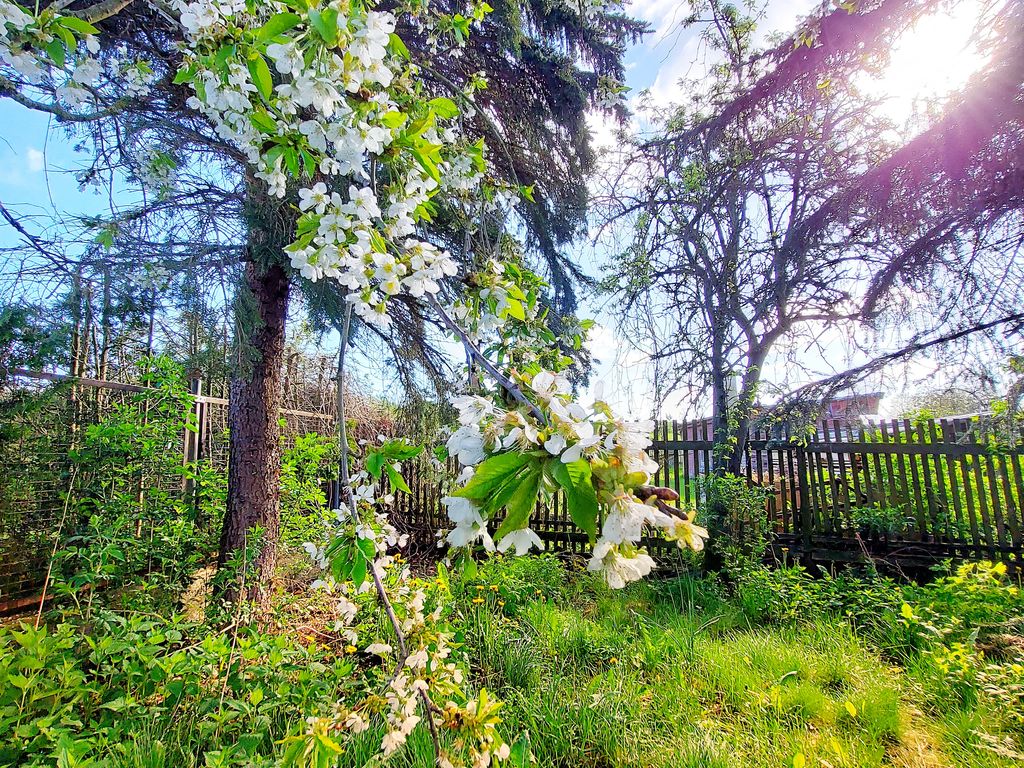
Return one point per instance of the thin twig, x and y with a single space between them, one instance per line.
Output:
506 383
351 503
53 552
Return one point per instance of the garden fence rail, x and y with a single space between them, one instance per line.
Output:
911 492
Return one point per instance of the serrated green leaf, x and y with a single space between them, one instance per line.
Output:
308 163
55 50
580 497
261 76
322 23
185 75
77 25
263 122
397 47
375 463
394 119
493 473
359 571
291 161
395 478
521 504
515 309
70 42
367 548
224 53
499 497
444 107
277 24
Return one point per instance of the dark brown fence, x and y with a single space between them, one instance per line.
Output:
912 492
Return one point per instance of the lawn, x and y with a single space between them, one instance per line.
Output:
772 668
679 672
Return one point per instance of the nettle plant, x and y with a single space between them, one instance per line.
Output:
325 99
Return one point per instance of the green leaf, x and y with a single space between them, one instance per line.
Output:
261 75
375 463
493 473
394 119
359 571
521 504
291 161
70 43
444 107
467 564
308 162
519 755
367 547
277 24
401 449
397 481
263 122
55 50
579 492
500 496
427 165
325 23
79 26
398 48
224 53
515 309
185 75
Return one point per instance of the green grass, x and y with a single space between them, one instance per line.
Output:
673 674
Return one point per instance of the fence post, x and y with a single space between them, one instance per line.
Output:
193 440
806 511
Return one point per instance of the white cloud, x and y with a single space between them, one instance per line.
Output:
36 160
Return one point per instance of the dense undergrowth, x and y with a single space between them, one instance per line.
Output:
775 669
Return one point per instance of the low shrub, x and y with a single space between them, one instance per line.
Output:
132 685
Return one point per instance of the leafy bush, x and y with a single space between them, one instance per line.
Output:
305 467
127 686
880 521
509 582
975 600
735 514
129 522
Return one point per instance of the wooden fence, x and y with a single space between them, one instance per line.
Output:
910 492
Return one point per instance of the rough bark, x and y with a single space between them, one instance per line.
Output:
254 464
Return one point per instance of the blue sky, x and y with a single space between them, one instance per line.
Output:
35 155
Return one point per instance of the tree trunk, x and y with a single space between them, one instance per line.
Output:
254 463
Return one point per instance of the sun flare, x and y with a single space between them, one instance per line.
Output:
930 60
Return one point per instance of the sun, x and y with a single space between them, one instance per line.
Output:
931 59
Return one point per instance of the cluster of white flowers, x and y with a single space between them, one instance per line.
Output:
334 104
427 665
343 248
59 55
15 51
23 48
486 312
615 449
592 9
155 169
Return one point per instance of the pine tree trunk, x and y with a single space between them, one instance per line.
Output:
254 464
